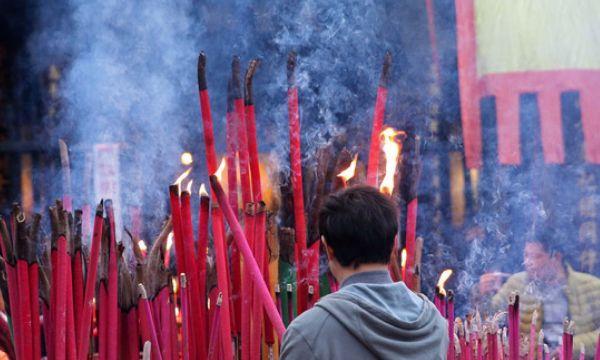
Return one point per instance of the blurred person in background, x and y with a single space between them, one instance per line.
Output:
550 286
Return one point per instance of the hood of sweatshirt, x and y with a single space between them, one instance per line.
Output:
387 318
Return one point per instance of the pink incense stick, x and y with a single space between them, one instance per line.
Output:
147 322
540 345
238 236
532 336
597 357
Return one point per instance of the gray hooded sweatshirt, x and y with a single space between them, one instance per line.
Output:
370 317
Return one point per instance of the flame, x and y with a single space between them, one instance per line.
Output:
403 258
142 245
391 149
348 173
186 159
189 187
202 191
442 281
169 242
182 177
219 172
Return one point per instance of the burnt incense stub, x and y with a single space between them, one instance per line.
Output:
202 71
235 78
291 69
385 71
248 92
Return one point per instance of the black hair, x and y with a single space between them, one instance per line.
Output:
359 224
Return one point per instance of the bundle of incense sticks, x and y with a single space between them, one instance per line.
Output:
108 302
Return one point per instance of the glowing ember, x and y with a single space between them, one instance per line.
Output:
391 148
186 159
169 241
348 173
175 285
142 245
442 281
202 191
189 187
219 172
403 257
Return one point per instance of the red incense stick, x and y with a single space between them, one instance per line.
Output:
60 332
191 268
411 230
513 327
532 336
232 191
296 180
450 319
214 332
24 310
247 200
238 236
35 309
71 341
165 324
90 286
597 357
373 162
13 291
113 288
147 323
202 248
132 334
217 219
186 317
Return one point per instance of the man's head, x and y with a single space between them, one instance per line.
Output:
358 226
543 258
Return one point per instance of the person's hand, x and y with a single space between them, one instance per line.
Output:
491 282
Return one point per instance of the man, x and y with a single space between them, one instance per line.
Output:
370 317
553 289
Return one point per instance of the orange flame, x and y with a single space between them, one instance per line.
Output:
202 191
403 258
442 280
219 172
391 148
142 245
348 173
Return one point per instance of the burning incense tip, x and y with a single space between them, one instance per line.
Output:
403 257
442 280
182 177
202 191
220 169
189 187
348 173
142 246
142 291
175 285
169 243
391 149
183 280
186 159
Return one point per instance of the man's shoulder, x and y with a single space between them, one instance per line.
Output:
310 322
